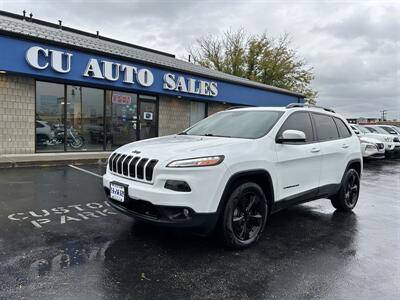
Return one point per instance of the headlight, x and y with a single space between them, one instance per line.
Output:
370 147
388 139
197 162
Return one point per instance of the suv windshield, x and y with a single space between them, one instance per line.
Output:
388 129
361 129
236 124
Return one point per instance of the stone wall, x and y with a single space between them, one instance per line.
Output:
174 115
17 114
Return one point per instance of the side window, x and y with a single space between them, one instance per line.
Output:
326 127
344 132
299 121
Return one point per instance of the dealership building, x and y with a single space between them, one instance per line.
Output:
63 89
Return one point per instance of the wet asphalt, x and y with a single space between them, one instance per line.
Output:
58 239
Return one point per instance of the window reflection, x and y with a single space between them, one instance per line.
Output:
85 119
49 116
121 118
76 118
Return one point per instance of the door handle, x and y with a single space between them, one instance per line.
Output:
345 146
315 150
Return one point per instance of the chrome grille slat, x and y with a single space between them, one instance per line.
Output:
140 168
110 159
149 170
123 165
129 166
119 163
134 167
114 164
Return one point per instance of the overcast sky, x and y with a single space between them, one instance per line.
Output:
353 46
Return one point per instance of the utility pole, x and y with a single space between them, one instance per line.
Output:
384 111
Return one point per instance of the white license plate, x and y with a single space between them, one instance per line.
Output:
117 192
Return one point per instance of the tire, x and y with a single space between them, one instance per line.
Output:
244 216
347 197
78 143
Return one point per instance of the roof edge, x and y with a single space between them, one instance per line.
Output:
81 32
250 83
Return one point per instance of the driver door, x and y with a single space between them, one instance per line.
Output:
298 163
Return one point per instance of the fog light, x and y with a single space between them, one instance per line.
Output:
177 185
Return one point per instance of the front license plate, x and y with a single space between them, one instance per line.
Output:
117 192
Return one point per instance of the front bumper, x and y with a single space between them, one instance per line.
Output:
394 151
206 187
168 216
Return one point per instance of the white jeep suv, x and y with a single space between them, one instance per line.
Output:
234 168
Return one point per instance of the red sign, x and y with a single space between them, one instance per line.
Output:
121 99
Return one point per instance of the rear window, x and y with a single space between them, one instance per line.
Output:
344 131
326 127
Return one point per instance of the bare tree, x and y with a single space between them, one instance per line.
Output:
257 57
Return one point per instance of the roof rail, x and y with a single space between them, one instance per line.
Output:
236 107
292 105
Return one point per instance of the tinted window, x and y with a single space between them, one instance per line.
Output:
299 121
237 124
344 132
326 128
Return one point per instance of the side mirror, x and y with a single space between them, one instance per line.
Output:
290 136
356 132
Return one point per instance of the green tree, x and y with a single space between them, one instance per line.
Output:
257 57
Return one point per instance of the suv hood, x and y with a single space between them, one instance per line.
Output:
181 146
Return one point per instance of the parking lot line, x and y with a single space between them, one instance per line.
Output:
85 171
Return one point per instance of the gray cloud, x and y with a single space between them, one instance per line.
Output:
353 46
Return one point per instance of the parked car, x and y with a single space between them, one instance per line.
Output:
219 175
372 148
386 139
44 132
391 130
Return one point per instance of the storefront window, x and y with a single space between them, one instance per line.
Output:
91 119
85 119
197 112
121 118
49 117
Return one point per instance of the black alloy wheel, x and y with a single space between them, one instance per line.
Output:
247 216
347 197
244 216
351 190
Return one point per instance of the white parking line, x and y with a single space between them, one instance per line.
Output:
85 171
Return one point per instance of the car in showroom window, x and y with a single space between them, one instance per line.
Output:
233 169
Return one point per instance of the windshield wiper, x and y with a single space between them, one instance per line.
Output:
211 134
182 133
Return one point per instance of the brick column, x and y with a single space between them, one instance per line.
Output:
17 114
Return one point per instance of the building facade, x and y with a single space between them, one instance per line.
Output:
62 89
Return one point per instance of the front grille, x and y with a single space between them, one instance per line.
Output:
380 145
135 167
